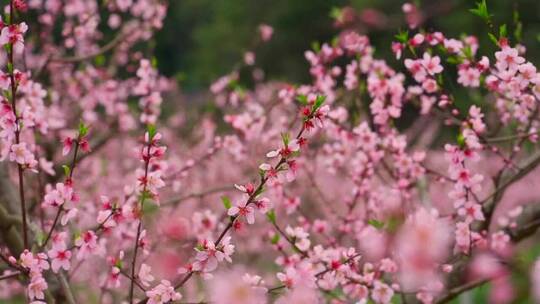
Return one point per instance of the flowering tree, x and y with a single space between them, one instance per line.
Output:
288 193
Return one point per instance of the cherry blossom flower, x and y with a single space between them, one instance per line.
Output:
300 236
87 244
469 77
46 166
508 59
145 274
60 258
37 287
472 211
227 287
163 293
62 194
209 256
21 155
266 32
432 64
242 209
13 34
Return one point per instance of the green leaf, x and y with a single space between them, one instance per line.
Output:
336 13
275 239
199 247
285 137
503 31
468 52
402 36
461 140
145 195
481 10
316 46
40 237
493 39
375 223
100 60
150 208
66 170
271 216
319 102
226 202
518 32
440 80
453 60
518 26
151 129
302 99
83 129
393 224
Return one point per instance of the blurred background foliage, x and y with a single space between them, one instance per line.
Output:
206 38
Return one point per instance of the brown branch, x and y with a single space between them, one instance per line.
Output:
119 38
456 291
489 208
13 86
61 207
10 275
95 145
525 230
134 279
139 226
290 241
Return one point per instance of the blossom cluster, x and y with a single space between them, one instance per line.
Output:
373 182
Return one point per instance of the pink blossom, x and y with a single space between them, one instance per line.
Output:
500 241
163 293
21 155
266 32
471 211
243 210
62 194
46 166
67 145
13 34
228 287
397 48
469 77
263 205
87 244
508 59
60 258
382 293
145 274
432 64
37 287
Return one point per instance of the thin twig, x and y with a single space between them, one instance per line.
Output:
109 46
139 226
10 275
13 85
456 291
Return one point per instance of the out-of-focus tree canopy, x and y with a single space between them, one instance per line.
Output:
210 36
